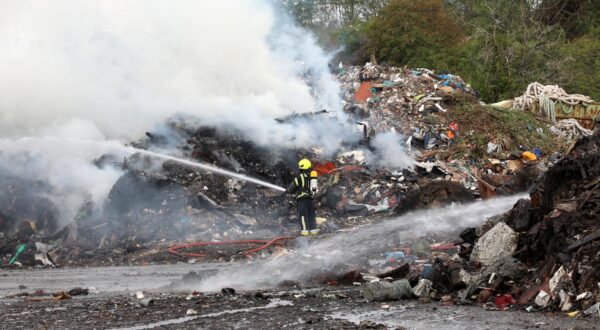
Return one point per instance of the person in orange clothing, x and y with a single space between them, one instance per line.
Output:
452 133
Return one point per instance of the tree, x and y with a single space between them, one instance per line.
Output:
323 14
415 33
499 46
509 48
582 72
575 17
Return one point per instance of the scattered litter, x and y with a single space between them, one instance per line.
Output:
381 290
500 241
542 299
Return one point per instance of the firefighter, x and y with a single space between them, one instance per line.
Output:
304 187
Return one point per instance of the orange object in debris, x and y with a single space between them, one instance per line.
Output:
528 155
450 134
363 92
324 168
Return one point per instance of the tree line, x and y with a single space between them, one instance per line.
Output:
499 46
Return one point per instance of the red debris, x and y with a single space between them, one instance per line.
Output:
324 168
503 301
363 92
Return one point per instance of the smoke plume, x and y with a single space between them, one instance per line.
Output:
127 65
389 151
107 71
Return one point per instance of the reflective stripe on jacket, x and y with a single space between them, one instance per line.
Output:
301 186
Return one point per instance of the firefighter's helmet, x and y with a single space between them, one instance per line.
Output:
304 164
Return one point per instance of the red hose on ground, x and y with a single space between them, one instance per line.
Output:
265 244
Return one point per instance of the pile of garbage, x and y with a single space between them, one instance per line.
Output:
155 205
560 232
407 101
451 133
158 204
544 254
25 210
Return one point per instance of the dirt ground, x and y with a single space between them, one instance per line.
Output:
331 307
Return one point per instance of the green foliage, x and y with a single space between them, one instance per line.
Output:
415 33
575 17
303 11
583 71
509 49
498 46
328 13
354 39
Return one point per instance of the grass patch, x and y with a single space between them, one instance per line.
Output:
480 124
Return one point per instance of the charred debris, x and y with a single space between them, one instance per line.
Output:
541 255
544 253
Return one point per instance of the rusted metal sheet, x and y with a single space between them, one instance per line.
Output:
585 114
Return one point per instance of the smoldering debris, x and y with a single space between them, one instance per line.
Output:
86 83
541 255
24 206
333 258
156 204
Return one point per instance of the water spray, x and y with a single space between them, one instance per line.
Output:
212 169
114 146
346 247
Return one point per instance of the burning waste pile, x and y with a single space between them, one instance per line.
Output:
543 254
156 204
365 174
407 161
539 255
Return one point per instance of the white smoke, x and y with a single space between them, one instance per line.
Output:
109 70
127 65
389 151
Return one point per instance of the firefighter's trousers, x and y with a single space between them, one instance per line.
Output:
306 216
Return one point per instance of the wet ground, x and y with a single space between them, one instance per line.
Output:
116 305
105 279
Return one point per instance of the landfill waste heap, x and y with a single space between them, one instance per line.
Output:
155 205
542 255
556 251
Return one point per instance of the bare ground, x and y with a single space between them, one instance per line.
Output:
309 308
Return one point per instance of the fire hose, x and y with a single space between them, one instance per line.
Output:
264 245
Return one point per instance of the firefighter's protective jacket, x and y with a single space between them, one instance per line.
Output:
301 186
